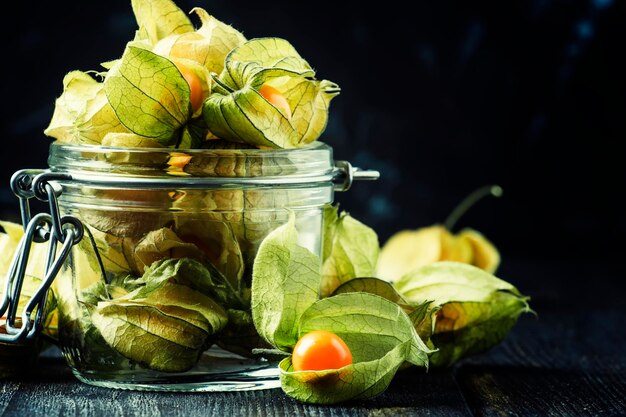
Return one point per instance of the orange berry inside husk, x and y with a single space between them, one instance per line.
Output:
275 97
320 350
195 86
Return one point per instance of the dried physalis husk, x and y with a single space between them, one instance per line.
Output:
486 255
472 310
411 249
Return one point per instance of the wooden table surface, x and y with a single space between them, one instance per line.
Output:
568 361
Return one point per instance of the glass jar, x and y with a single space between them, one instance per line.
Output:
156 295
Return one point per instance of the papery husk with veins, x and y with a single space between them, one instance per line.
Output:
472 310
108 255
82 114
238 112
218 243
208 45
350 250
408 250
229 225
149 95
260 216
151 337
215 205
264 211
162 244
169 32
286 306
74 288
158 19
233 160
240 335
124 211
251 214
132 159
161 320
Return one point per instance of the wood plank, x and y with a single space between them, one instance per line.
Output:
7 391
562 364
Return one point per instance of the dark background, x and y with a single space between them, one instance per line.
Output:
441 98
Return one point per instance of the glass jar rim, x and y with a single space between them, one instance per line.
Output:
130 149
115 166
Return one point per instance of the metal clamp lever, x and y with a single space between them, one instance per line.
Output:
344 174
43 227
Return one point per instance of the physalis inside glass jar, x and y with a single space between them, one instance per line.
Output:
168 171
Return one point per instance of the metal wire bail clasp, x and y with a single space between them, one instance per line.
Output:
44 227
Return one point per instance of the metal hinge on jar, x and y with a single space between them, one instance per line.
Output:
43 227
344 174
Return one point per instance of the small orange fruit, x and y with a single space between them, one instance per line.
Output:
319 350
276 99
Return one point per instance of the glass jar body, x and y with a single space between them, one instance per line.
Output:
157 293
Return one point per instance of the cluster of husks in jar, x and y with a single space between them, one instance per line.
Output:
176 280
182 87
